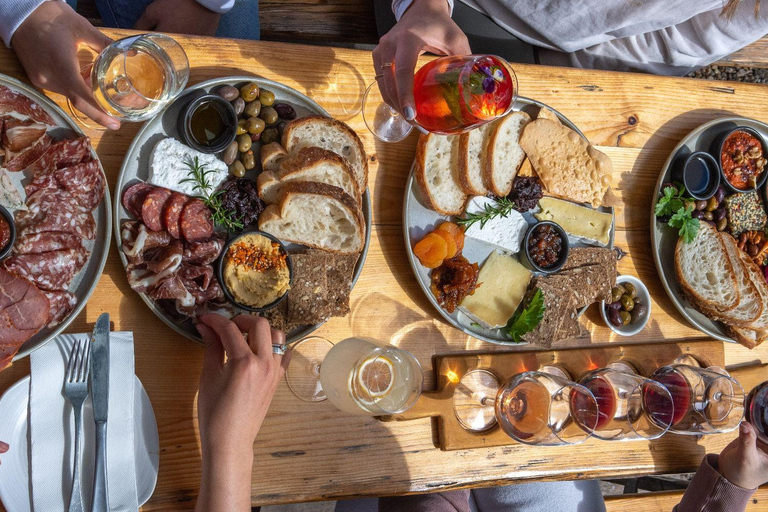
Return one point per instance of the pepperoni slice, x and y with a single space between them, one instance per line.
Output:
196 223
133 197
172 213
152 208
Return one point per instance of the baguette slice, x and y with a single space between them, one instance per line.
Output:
311 164
504 153
750 305
316 215
436 170
705 273
271 156
330 134
473 153
757 332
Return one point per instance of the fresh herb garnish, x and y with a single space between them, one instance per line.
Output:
672 204
685 223
527 318
202 184
475 325
502 208
670 201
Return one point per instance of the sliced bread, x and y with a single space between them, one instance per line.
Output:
705 273
436 173
757 332
473 153
330 134
271 156
316 215
750 305
310 164
504 153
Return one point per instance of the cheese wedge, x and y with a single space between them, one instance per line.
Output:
504 232
503 281
577 220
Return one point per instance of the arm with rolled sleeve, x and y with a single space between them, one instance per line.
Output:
12 14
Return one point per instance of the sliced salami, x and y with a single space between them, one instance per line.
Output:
12 102
196 223
84 181
62 304
172 213
152 208
41 182
133 197
45 242
52 270
55 210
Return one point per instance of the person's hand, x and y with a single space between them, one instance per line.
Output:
179 17
744 462
232 402
46 43
3 448
425 26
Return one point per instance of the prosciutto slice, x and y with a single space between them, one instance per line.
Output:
12 102
18 161
18 134
24 310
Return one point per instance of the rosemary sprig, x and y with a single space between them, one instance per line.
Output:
221 215
502 208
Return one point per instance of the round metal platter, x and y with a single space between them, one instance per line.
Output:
664 238
85 281
136 167
418 220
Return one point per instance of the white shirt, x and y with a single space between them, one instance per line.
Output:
671 37
14 12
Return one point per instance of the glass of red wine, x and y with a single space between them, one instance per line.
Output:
621 408
757 410
704 400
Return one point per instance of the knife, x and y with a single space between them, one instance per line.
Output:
100 394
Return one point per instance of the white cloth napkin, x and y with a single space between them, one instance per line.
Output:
52 428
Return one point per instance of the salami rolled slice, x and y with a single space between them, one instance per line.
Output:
152 208
196 223
133 197
172 213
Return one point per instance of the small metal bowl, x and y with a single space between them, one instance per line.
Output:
224 108
563 251
713 170
717 149
220 272
645 297
8 216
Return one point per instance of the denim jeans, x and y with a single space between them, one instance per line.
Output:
242 22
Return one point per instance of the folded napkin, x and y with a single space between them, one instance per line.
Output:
52 428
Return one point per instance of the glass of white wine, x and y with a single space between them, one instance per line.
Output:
135 77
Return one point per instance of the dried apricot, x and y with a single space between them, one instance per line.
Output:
450 241
431 250
457 232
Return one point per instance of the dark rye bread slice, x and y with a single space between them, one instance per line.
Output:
559 321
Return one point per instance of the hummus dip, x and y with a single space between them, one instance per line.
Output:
256 271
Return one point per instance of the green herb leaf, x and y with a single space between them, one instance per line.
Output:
502 209
221 216
526 319
685 223
476 325
670 201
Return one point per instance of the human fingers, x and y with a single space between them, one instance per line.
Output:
383 54
259 337
231 338
285 361
213 358
457 43
94 38
278 338
3 447
405 65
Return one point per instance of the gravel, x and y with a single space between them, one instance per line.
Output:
732 73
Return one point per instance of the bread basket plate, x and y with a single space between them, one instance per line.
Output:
418 220
136 167
664 238
85 281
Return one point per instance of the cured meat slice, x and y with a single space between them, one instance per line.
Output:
133 197
203 253
152 208
173 288
172 213
41 182
63 153
18 134
15 102
62 304
15 162
24 310
55 210
138 240
84 181
53 270
45 242
196 223
161 259
199 274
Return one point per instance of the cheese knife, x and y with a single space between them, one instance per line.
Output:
100 394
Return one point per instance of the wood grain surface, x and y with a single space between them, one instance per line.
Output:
309 451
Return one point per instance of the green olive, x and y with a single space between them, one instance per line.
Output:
252 108
625 317
269 115
269 135
267 98
249 161
615 294
241 127
630 290
249 92
627 302
255 125
621 288
230 154
712 204
244 142
237 169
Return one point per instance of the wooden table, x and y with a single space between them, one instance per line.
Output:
309 451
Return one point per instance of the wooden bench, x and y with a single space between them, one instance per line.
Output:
665 501
754 55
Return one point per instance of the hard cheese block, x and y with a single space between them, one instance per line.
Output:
577 220
505 232
503 281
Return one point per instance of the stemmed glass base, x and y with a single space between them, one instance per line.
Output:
474 399
384 122
303 374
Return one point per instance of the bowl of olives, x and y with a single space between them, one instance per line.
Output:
630 307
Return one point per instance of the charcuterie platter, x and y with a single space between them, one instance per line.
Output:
54 189
244 196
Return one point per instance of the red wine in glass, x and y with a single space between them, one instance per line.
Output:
757 410
658 405
605 395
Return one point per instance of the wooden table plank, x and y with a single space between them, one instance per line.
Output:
311 451
664 501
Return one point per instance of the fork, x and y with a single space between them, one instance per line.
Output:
76 391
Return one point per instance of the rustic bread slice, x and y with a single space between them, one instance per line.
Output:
505 155
436 170
757 332
271 156
750 305
705 272
548 113
310 164
330 134
316 215
473 153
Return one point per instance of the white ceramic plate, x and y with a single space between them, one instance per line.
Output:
14 471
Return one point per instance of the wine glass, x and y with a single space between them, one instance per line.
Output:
358 375
757 410
134 78
452 95
621 403
705 400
